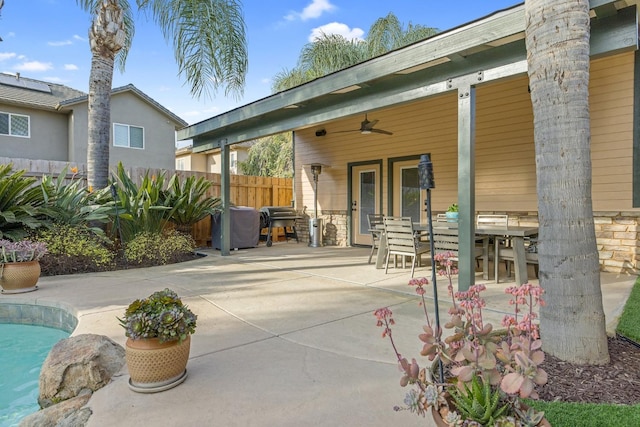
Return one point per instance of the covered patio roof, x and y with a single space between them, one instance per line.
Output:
483 50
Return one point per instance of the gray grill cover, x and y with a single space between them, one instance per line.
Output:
245 228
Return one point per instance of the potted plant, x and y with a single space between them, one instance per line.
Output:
452 213
478 375
19 265
159 330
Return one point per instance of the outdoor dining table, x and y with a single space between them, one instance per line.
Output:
516 234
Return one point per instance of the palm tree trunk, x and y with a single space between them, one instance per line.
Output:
106 38
99 121
557 38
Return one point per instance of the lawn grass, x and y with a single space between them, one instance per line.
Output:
629 325
566 414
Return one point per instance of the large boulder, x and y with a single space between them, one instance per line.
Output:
69 413
78 363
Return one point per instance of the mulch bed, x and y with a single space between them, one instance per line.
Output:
55 266
617 382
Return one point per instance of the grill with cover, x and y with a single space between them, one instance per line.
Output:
278 216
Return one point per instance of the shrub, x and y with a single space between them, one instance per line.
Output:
74 249
20 203
158 248
71 202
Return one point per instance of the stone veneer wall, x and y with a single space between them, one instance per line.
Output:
334 227
38 315
617 235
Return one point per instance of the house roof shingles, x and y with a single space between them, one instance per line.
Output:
22 96
62 96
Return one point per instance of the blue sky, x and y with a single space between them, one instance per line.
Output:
47 40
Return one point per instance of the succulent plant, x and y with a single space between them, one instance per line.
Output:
162 315
480 402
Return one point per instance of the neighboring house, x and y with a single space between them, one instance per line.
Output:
48 121
210 161
462 97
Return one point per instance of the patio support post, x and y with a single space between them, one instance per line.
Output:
225 192
466 185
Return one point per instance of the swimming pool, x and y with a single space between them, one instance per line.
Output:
25 342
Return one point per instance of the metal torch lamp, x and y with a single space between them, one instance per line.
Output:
315 224
425 174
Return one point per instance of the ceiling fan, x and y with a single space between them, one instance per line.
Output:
367 127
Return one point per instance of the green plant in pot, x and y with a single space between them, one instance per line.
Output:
478 375
159 330
452 213
19 265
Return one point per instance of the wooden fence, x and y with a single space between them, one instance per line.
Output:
252 191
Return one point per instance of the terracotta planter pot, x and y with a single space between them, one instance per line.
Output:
18 277
155 366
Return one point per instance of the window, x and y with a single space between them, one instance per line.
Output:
233 162
128 136
14 125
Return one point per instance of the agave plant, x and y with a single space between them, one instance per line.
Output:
72 203
141 208
189 200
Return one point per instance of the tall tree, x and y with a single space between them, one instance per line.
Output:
270 156
557 41
332 52
209 45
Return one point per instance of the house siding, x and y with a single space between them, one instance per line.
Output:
505 153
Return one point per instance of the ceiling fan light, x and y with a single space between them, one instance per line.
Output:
365 132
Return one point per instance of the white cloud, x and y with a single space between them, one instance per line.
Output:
6 55
61 43
34 66
164 89
54 79
265 80
313 10
11 34
79 38
70 67
192 113
212 110
337 28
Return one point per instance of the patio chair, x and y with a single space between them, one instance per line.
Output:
446 240
531 255
497 242
375 220
401 240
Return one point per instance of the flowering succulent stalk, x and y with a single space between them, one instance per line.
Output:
491 370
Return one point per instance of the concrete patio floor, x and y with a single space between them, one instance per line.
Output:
286 336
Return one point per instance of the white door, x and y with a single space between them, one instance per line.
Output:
365 199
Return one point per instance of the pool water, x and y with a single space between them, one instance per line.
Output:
23 349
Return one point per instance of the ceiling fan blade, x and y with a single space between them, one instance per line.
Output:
386 132
345 131
368 125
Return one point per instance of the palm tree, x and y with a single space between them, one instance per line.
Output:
332 52
557 40
209 46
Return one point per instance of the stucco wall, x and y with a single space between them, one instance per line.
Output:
48 136
126 108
